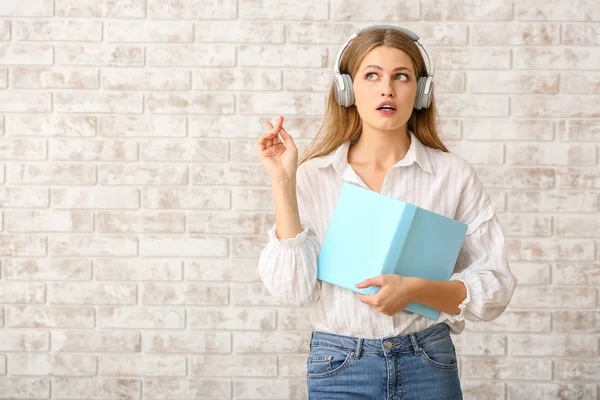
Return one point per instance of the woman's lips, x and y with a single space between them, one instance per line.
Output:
386 112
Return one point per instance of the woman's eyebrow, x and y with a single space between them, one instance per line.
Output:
381 69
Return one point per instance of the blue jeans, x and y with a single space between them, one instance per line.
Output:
417 366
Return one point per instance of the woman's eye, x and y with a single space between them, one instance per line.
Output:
369 74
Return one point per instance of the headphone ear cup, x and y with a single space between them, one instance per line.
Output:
423 100
344 97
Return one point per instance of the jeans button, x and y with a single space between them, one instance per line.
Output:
388 345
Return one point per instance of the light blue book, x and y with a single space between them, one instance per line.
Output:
372 234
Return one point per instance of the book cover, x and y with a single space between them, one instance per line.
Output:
372 234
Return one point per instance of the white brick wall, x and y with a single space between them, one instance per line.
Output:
133 207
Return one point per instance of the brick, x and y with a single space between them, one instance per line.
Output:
238 32
92 245
22 149
25 388
187 246
52 364
580 82
32 8
550 249
579 178
95 198
502 368
58 30
270 342
516 321
229 174
526 225
251 295
252 199
137 270
92 150
580 35
25 341
538 10
578 370
92 293
233 365
186 389
576 321
232 222
194 103
556 106
184 150
472 105
22 245
140 222
137 79
529 273
49 221
451 10
22 101
555 345
100 54
54 78
236 79
51 125
186 198
480 344
308 81
13 53
192 9
554 297
186 342
505 130
565 391
49 317
288 10
248 246
53 174
244 151
278 56
4 85
292 366
482 390
478 152
517 177
149 31
96 388
101 8
530 201
142 126
270 388
246 319
222 270
96 342
578 130
576 226
550 154
272 103
577 273
196 55
397 10
141 365
46 269
184 294
509 82
99 102
5 32
22 292
250 126
294 319
559 58
471 58
141 317
515 34
142 174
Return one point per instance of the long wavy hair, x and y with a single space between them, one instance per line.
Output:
341 124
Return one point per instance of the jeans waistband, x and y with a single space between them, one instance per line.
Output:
412 341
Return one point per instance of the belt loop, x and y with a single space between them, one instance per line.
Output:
358 350
413 340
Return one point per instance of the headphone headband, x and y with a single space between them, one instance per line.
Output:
410 34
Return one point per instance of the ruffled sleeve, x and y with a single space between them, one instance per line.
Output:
482 264
288 267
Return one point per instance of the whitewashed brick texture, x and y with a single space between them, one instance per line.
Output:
133 207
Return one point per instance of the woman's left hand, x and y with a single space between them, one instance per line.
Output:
395 294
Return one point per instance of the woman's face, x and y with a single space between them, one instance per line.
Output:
385 73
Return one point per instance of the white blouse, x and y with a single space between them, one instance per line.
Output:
429 178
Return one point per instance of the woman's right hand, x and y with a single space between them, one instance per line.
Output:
279 159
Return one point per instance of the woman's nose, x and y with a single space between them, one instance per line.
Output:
387 87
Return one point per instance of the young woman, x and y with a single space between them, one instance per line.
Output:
380 132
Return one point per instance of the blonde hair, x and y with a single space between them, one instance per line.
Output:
341 124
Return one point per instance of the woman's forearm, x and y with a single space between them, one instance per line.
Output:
441 295
287 217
